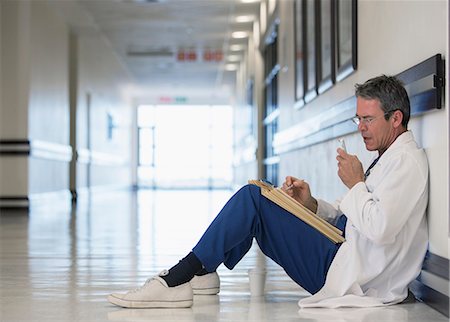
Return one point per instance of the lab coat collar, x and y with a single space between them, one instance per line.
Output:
403 139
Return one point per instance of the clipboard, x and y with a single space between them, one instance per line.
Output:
291 205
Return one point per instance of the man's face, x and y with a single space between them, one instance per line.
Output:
377 132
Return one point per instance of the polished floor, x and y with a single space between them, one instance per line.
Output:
59 264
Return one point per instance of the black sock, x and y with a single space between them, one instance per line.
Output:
184 271
202 272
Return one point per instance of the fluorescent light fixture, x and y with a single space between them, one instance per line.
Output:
230 67
244 18
236 47
239 34
233 58
249 1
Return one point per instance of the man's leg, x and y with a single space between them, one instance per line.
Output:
302 251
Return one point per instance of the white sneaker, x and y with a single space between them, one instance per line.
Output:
155 293
208 284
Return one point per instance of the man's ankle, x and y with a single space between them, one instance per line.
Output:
184 271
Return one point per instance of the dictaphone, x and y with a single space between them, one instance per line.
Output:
342 144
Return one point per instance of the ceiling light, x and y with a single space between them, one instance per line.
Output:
233 58
230 67
157 52
249 1
236 47
245 18
239 34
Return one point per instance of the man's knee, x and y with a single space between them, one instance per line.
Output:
250 189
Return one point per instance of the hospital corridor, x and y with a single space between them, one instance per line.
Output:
127 126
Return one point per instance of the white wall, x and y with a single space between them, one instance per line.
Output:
15 21
48 105
102 77
35 105
15 70
392 36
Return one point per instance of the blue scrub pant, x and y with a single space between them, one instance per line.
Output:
303 252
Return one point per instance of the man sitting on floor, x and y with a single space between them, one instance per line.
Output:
384 223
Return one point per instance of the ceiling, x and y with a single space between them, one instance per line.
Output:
176 45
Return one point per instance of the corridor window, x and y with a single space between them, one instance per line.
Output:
184 146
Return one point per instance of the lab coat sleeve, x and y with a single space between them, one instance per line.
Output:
380 215
328 211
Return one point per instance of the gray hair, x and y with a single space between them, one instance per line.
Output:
391 94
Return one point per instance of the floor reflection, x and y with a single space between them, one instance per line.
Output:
58 264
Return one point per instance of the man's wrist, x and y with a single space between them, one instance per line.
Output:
312 205
356 182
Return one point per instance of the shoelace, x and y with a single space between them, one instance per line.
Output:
162 273
141 287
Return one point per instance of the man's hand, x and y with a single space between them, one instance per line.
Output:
299 190
350 169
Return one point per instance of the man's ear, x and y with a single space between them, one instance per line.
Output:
397 118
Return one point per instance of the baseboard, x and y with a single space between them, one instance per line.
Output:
429 296
36 149
59 198
14 202
423 288
86 191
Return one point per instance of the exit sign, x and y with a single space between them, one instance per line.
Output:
172 99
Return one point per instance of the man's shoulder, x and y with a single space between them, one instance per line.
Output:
408 157
405 144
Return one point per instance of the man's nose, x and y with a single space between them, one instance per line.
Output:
362 126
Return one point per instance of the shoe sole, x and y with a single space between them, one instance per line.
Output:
206 291
149 304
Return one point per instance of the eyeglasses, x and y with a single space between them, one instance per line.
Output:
367 120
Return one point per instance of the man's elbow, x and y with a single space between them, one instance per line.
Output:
380 236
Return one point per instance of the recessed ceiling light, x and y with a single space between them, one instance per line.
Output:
239 34
245 18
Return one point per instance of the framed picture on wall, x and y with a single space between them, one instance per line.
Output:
326 45
299 34
310 50
346 37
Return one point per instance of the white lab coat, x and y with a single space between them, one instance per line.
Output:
386 232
